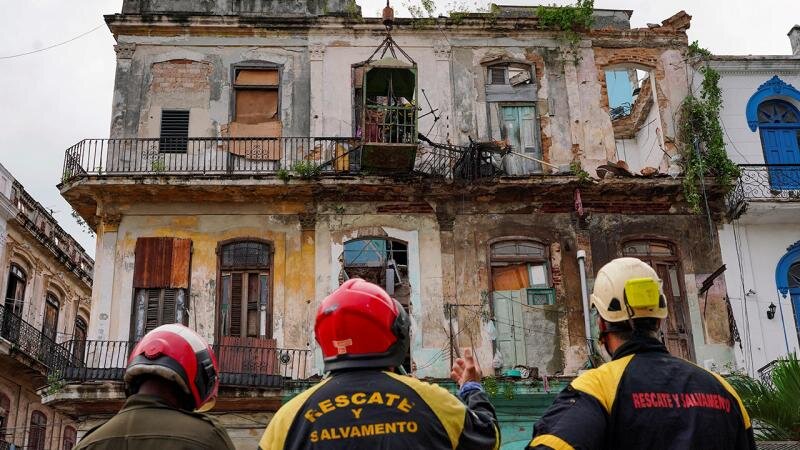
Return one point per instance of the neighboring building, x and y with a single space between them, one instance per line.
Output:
47 278
258 157
761 244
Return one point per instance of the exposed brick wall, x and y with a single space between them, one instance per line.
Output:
180 75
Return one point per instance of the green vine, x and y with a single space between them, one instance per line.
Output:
702 137
570 20
696 51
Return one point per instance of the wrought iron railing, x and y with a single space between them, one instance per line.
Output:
207 156
239 366
284 156
30 341
391 124
765 182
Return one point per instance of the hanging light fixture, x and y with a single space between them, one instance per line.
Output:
388 16
771 311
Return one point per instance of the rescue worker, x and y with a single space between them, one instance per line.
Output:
644 398
172 373
364 403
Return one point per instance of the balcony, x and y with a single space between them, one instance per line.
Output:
282 157
240 367
29 345
773 183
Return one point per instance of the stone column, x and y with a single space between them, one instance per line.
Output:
316 54
103 286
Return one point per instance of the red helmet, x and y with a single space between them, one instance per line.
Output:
359 325
178 354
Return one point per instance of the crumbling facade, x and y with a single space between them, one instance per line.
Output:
260 158
47 279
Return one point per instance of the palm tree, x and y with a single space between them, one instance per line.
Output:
773 403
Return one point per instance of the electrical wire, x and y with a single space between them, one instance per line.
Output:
54 45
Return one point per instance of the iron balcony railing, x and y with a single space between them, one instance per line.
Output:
30 341
302 157
240 366
765 182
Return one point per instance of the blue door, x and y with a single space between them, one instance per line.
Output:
779 122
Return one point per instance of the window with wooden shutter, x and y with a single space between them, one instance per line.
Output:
174 131
244 304
256 102
161 283
50 325
37 431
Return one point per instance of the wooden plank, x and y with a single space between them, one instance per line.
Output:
181 259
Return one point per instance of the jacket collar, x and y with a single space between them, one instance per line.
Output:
640 344
137 401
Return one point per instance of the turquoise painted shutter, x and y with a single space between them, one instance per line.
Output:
510 332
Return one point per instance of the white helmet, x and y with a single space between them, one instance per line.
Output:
627 288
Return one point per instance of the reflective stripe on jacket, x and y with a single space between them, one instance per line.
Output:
645 399
368 409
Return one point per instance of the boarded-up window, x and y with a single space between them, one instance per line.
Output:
522 286
161 283
256 93
245 307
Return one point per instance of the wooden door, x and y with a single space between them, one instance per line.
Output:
518 128
677 327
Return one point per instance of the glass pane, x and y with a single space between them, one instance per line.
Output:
635 248
794 275
674 284
368 252
777 111
224 308
263 292
522 249
538 274
246 254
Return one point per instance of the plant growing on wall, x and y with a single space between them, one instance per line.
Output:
283 175
306 169
425 12
569 20
577 169
701 134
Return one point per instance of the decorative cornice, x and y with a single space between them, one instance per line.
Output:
442 52
316 52
446 220
109 223
308 221
125 51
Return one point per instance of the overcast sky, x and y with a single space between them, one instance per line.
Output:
52 99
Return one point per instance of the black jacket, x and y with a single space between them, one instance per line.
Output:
373 410
645 399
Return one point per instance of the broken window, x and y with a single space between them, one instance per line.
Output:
383 262
256 101
174 131
522 292
513 74
623 86
161 283
245 310
15 290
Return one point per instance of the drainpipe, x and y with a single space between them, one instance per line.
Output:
585 298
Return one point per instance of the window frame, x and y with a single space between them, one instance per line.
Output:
51 301
40 427
174 144
69 436
543 260
269 271
256 65
20 278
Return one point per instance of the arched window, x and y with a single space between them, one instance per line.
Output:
70 438
663 257
245 307
15 290
50 324
787 279
5 406
37 431
521 292
778 122
79 339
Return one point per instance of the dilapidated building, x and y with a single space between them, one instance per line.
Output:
47 280
261 154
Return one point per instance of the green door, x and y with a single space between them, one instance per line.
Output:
518 128
510 333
